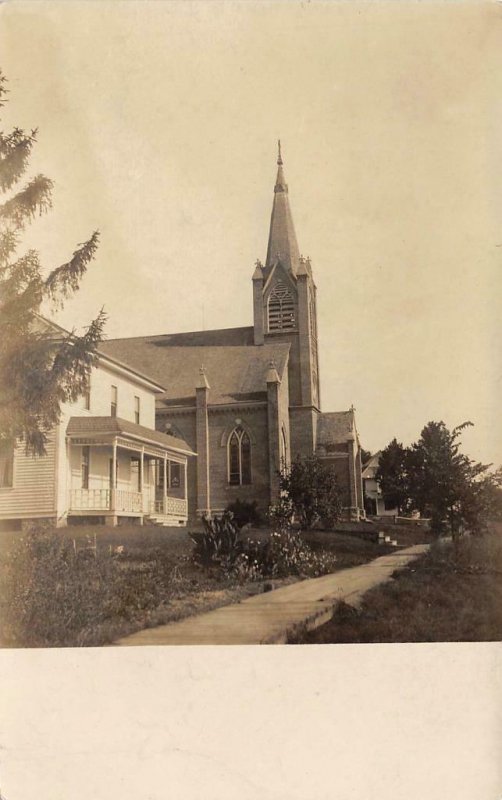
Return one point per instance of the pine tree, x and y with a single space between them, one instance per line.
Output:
392 476
38 370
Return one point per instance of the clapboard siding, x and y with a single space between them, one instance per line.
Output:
33 492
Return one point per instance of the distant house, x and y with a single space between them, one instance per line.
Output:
373 498
104 459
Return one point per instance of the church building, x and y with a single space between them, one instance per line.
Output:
247 400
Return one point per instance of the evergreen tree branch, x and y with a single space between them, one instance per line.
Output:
64 280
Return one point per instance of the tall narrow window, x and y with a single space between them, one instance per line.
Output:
136 410
281 309
85 467
284 449
6 463
239 458
113 406
87 396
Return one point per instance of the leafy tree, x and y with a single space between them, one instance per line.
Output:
313 491
38 369
444 483
392 476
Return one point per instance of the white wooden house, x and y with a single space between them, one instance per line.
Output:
104 459
374 499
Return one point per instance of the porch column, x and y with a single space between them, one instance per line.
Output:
142 480
202 439
164 499
113 484
185 486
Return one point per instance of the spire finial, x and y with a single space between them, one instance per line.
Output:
279 156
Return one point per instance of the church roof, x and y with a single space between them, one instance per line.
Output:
335 427
282 242
236 369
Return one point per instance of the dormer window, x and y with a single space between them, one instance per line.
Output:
281 309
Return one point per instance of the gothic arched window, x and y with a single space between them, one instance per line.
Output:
239 457
281 308
284 449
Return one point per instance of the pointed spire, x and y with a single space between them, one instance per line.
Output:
282 243
272 375
203 382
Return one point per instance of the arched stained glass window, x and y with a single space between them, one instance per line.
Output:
239 457
284 449
281 308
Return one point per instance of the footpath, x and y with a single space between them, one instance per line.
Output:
273 617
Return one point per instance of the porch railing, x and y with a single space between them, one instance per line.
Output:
131 502
175 506
119 500
90 500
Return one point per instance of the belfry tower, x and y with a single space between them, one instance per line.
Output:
284 309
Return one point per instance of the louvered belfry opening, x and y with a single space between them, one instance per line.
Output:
281 309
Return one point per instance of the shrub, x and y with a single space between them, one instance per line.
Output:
284 554
281 554
312 489
218 541
244 513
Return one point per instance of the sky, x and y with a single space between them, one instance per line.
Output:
158 123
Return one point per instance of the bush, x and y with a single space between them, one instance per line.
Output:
244 513
312 489
219 540
281 555
284 554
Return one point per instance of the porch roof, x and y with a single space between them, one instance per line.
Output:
116 426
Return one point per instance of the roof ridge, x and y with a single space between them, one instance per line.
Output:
178 333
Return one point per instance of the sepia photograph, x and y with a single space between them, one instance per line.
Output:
250 335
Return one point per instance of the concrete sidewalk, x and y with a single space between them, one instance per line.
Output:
272 617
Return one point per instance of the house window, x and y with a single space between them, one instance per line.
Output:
113 406
113 483
239 457
87 396
136 410
85 467
6 463
281 309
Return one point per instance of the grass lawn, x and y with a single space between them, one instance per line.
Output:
450 594
69 594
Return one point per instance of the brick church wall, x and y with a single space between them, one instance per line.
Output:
221 423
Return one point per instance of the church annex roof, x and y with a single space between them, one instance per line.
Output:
235 368
335 427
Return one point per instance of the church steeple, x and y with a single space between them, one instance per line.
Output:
282 243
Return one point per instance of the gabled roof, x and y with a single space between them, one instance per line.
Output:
50 328
335 427
235 368
104 426
282 242
371 465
